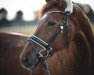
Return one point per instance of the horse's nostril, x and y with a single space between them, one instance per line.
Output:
25 59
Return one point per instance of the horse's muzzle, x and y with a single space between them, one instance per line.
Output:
29 63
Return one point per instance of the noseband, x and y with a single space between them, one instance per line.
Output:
47 46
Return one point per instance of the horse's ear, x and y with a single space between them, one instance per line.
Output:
60 2
47 0
50 0
53 0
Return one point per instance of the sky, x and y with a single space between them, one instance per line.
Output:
28 7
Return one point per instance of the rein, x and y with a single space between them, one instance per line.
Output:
40 58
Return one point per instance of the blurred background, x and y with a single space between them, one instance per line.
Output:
21 16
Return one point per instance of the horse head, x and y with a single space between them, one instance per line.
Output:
56 31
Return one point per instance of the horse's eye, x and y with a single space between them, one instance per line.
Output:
51 23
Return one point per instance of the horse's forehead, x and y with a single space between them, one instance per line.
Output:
51 16
46 14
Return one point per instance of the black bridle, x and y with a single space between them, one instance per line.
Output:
40 58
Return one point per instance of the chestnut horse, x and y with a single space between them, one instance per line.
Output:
11 45
67 39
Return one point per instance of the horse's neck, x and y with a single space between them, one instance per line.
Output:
83 47
84 24
69 61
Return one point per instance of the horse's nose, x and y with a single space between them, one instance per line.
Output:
25 60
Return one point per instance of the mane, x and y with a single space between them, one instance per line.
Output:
48 6
87 34
85 26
